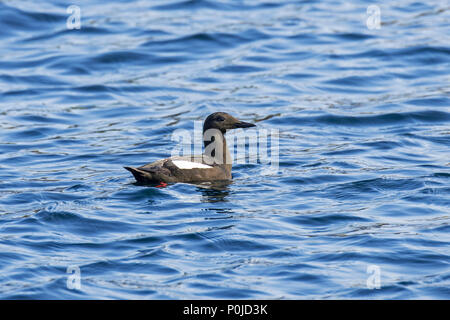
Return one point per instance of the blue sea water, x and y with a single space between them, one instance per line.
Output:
362 191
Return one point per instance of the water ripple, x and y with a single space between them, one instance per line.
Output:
363 118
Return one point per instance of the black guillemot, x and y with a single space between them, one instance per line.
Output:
213 165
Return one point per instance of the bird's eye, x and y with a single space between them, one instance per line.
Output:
220 118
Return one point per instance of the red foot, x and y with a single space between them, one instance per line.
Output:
162 185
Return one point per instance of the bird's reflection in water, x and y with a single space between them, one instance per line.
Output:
216 191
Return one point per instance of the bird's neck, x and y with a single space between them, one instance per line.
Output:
218 138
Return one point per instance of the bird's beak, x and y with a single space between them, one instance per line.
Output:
242 124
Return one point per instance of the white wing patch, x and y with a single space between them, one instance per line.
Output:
182 164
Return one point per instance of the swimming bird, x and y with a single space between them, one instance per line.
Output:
213 165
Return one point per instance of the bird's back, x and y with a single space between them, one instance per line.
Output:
181 169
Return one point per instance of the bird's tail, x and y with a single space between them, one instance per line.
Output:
140 176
